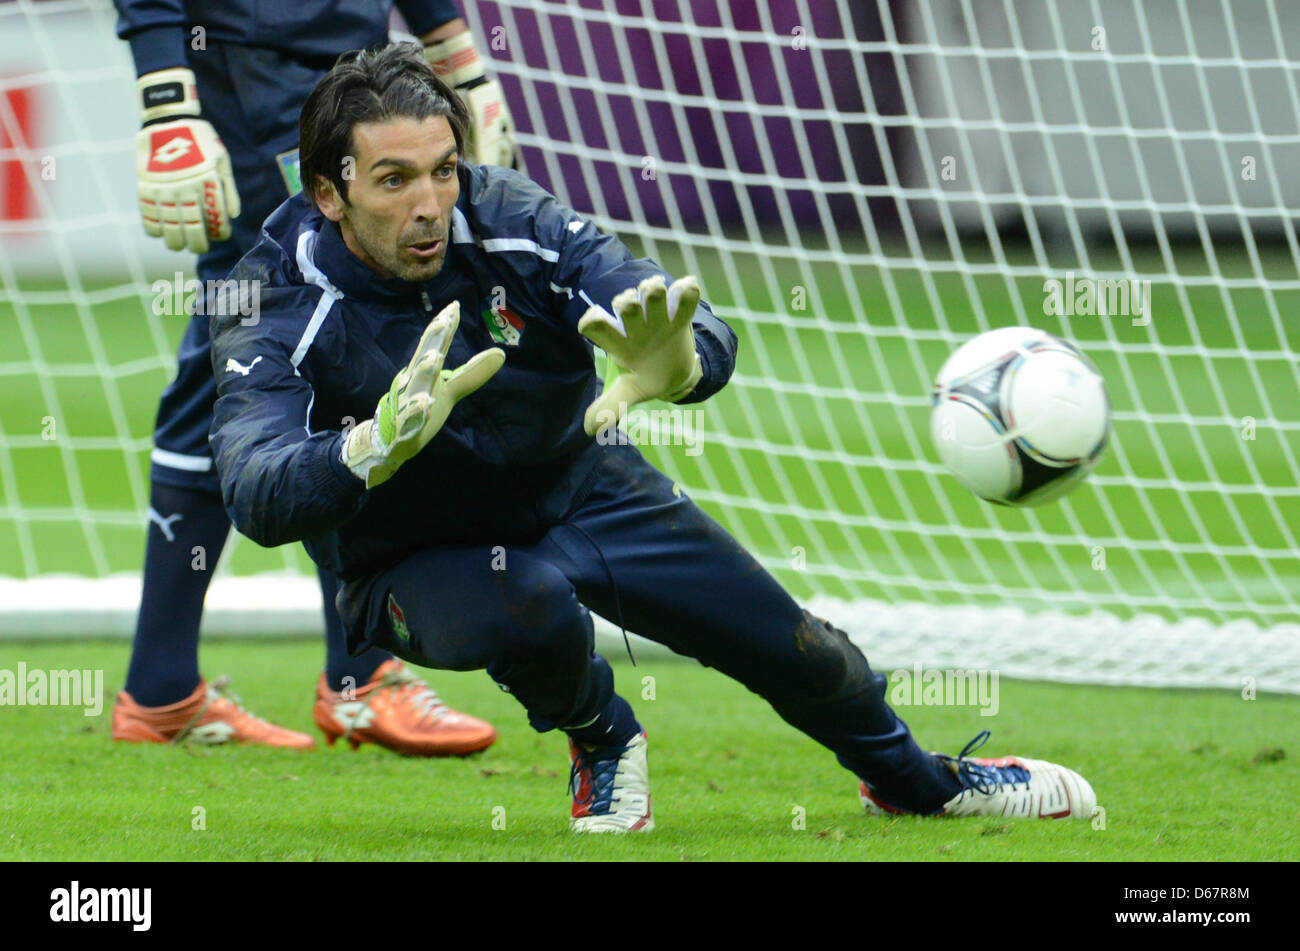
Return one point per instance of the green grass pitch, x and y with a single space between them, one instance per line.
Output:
1182 775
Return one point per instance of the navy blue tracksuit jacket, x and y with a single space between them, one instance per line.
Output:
331 335
487 548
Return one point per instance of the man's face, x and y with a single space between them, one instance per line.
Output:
398 216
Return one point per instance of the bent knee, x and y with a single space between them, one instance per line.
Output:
541 612
831 667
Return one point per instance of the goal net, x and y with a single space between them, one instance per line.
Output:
860 188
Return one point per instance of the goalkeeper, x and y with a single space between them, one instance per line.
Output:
452 308
220 87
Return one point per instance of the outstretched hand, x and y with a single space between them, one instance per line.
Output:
417 404
654 348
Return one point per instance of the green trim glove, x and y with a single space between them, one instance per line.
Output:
415 407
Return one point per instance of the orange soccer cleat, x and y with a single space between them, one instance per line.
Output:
209 715
398 710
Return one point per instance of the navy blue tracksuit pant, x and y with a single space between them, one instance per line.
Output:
633 548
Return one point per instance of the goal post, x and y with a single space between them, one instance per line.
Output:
860 188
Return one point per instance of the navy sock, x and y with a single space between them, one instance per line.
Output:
339 664
187 530
615 726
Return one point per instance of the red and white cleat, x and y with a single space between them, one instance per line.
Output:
611 788
1009 787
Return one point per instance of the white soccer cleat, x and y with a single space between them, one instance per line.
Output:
1009 787
611 788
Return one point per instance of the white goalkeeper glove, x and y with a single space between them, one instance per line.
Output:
187 189
490 138
421 398
654 350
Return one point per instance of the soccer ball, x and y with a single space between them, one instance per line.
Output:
1019 416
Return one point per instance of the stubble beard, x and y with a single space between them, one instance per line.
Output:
399 262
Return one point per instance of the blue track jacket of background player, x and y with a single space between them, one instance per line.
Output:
330 334
161 32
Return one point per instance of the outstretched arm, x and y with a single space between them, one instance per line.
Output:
281 482
605 287
650 339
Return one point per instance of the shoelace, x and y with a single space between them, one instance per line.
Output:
218 689
416 692
981 778
411 689
601 775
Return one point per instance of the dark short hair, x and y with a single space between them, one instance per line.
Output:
369 86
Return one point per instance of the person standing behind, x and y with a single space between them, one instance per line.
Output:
221 85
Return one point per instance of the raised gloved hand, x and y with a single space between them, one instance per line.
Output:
186 186
490 139
415 407
654 350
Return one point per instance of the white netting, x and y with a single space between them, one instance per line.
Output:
860 188
85 344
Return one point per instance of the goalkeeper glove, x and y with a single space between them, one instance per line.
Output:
654 350
490 139
421 398
186 186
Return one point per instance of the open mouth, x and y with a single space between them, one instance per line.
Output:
425 249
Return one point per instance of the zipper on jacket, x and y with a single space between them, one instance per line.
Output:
428 304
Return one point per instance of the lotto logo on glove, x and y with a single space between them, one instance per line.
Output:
187 190
173 149
183 172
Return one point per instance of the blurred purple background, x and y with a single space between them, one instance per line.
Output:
745 76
